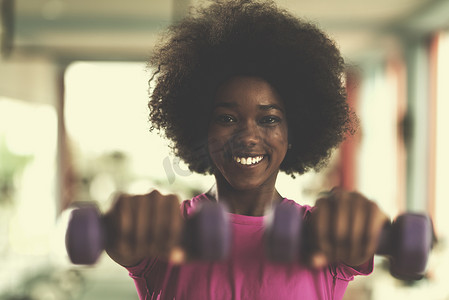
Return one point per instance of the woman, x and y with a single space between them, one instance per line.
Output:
244 90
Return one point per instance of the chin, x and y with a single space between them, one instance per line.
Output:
244 186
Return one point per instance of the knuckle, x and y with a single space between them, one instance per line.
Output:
125 202
120 200
154 193
371 207
356 195
172 197
173 201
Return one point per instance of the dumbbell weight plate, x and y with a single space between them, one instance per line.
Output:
412 245
283 234
214 232
85 234
207 234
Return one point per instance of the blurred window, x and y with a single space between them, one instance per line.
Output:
442 136
379 154
28 135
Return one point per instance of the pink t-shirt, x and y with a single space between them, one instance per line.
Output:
246 274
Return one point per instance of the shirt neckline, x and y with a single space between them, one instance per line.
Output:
243 219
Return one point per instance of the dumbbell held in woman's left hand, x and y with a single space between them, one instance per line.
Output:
407 241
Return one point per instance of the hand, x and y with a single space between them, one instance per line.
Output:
142 226
345 227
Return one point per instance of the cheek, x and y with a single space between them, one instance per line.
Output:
216 140
280 139
214 146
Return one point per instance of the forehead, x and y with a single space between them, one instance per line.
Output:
246 90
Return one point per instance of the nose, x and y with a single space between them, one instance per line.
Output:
247 134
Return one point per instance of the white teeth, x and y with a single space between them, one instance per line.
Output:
248 160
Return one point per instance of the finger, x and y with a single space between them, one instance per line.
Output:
142 225
177 256
319 260
369 237
340 228
112 226
166 238
174 223
153 200
123 212
321 223
357 230
374 229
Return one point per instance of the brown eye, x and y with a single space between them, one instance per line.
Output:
226 119
268 120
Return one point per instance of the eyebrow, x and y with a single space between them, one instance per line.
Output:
226 104
264 107
270 106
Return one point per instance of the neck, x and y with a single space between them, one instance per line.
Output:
251 202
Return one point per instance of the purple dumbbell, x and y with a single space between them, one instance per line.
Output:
407 241
206 235
85 237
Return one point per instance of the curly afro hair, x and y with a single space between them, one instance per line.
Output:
250 38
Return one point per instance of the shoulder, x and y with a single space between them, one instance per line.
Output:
307 209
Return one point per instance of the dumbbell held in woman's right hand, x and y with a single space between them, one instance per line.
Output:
206 235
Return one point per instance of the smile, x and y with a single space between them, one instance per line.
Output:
247 161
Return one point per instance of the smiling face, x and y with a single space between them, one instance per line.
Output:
248 133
